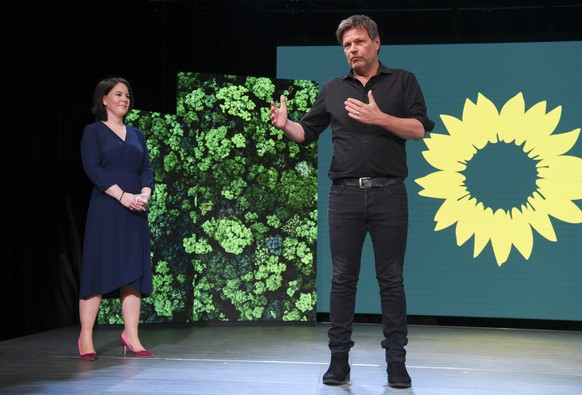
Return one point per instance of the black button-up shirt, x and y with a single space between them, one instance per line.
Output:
363 150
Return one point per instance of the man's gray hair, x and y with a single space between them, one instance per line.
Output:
357 21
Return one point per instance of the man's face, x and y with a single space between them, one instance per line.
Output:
361 51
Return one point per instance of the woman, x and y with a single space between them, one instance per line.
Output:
116 250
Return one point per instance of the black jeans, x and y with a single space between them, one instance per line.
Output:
353 212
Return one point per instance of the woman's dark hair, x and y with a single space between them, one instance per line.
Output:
102 89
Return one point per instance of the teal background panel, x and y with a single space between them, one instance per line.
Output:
441 278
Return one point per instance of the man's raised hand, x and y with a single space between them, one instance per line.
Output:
279 114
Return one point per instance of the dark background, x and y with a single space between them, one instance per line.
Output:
53 55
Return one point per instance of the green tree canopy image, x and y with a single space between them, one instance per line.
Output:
233 216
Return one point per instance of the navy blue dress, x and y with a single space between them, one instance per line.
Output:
116 249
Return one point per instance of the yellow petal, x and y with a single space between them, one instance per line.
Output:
522 234
483 235
469 221
501 236
560 178
447 153
540 125
536 215
454 125
554 145
481 121
443 185
565 168
564 210
447 214
468 135
558 189
512 120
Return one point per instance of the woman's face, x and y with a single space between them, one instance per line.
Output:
117 100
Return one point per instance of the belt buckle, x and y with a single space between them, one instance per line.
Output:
362 181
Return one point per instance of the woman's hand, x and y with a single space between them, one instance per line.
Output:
142 199
134 202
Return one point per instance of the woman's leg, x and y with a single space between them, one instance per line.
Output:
130 307
88 309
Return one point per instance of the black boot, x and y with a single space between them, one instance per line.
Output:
339 369
398 376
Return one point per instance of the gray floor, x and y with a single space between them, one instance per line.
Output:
279 360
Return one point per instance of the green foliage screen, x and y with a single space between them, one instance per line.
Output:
234 213
495 189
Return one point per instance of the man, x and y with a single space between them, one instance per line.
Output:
372 110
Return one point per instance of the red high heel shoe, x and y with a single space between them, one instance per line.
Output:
138 354
90 356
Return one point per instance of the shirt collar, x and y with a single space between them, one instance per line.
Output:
381 70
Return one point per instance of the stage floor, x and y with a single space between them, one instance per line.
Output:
280 360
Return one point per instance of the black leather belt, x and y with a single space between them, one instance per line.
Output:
368 182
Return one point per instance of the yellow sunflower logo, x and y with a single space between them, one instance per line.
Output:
477 141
